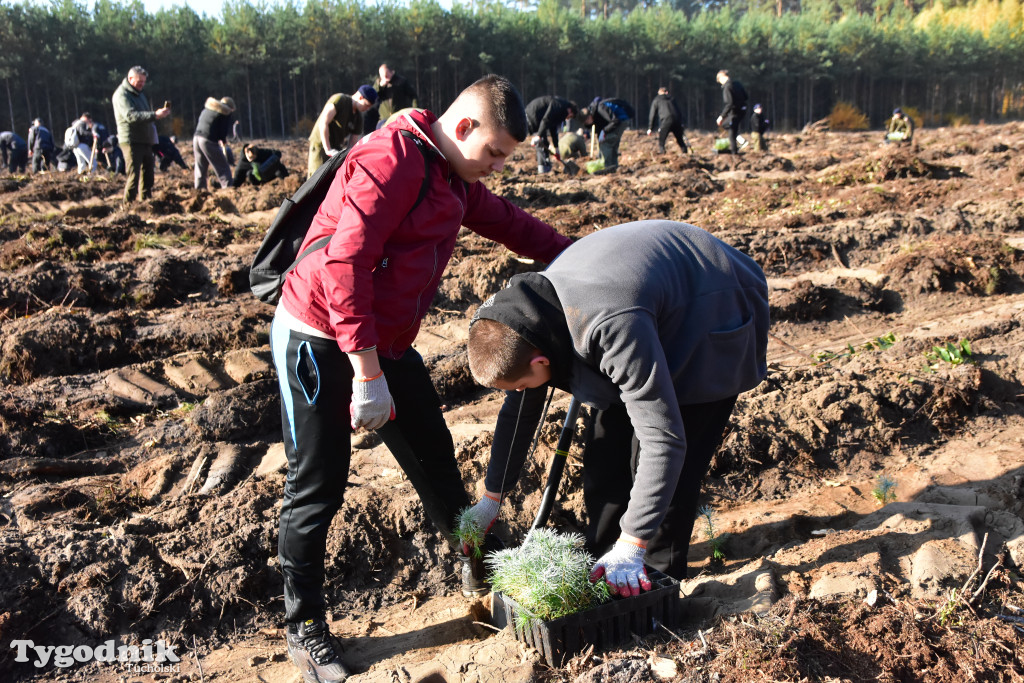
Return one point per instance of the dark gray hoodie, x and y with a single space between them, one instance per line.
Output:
652 314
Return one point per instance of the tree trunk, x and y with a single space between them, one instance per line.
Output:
10 102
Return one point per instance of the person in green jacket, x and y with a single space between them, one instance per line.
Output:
339 125
900 128
136 131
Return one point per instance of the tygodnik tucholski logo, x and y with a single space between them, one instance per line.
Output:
149 657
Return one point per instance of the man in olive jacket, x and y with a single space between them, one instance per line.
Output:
136 131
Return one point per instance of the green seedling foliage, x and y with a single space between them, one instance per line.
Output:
548 577
714 540
948 610
880 343
953 354
469 532
885 491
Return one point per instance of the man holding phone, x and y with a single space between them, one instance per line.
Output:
136 131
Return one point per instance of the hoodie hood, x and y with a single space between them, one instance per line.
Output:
530 307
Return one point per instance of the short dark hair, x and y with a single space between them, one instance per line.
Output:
504 104
496 353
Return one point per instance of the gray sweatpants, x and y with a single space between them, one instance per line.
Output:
208 153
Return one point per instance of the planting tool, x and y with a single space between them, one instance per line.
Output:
570 167
557 465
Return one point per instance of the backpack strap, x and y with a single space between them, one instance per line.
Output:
427 155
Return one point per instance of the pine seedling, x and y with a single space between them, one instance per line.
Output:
714 540
469 532
885 491
548 577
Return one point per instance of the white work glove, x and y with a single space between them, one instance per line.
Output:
648 131
331 152
485 513
535 140
718 120
623 569
372 405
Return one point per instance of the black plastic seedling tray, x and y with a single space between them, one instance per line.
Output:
605 626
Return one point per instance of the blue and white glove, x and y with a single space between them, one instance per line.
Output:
484 513
623 569
372 405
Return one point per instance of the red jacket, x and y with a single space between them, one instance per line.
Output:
375 280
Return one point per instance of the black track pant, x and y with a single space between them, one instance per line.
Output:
315 380
610 458
673 127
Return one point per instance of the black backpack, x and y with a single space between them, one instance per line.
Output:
279 252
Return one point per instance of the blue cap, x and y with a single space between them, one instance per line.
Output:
897 110
368 93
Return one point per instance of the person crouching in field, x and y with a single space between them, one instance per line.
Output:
658 326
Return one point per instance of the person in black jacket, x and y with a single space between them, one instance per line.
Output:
166 150
41 147
666 116
112 155
735 98
759 124
14 151
259 165
208 143
545 115
611 116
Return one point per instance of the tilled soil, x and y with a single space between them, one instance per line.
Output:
141 466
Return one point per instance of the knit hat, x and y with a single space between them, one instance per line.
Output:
897 110
368 93
228 102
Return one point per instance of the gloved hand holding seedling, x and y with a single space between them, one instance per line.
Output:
473 523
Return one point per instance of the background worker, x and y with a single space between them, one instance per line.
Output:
258 165
735 110
666 118
759 125
166 149
572 145
545 116
112 155
40 145
900 127
394 92
209 141
14 152
86 152
611 116
342 335
136 132
339 125
656 325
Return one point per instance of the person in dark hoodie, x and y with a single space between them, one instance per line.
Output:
40 147
166 149
759 125
735 110
666 118
658 326
208 142
545 116
14 151
611 116
258 165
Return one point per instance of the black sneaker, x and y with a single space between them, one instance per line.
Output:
315 651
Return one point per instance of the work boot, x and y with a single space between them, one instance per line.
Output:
474 585
315 651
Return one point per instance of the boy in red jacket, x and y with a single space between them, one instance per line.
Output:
342 335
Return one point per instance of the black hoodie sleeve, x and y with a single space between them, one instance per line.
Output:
517 423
